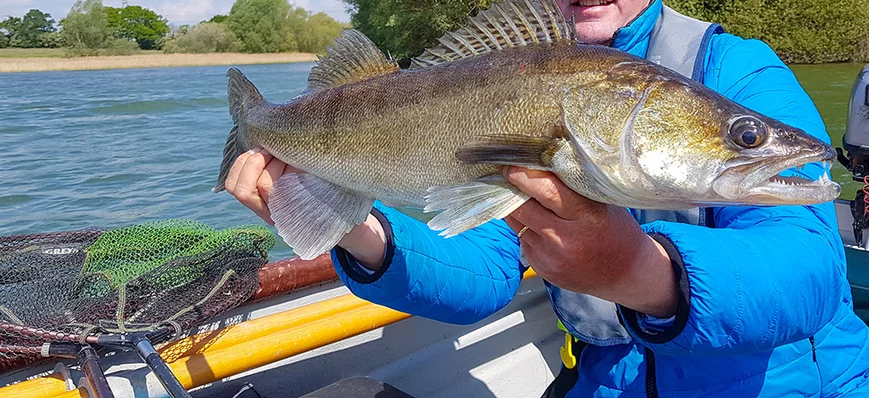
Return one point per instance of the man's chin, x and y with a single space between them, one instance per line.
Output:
595 32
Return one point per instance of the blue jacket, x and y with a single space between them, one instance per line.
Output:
765 307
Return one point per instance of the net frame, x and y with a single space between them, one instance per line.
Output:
111 287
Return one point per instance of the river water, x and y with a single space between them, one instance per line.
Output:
113 148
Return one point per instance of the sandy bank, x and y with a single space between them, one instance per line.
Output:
147 61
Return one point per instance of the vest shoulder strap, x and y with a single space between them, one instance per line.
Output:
680 42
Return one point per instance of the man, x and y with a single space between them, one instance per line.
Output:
729 301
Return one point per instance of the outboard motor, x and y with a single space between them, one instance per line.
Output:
856 143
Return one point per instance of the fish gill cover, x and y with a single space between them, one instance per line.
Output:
64 286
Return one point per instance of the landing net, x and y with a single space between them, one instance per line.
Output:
66 286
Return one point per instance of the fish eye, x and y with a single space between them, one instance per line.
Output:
748 132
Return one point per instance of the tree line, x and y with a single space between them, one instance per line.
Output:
258 26
255 26
800 31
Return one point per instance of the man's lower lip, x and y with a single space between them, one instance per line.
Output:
578 4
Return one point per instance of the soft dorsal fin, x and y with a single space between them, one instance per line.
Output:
508 23
352 58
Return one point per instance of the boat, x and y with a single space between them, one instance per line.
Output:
857 255
306 334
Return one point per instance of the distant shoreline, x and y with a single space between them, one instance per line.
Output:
8 65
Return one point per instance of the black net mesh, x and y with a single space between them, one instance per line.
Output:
65 286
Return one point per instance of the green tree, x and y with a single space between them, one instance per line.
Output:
263 26
317 32
4 41
405 27
26 31
86 28
219 19
800 31
8 28
50 40
206 37
138 24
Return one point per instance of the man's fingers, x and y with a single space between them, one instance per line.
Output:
246 186
274 170
514 224
250 173
548 190
531 243
234 171
533 215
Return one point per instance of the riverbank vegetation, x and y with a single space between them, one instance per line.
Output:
252 26
800 31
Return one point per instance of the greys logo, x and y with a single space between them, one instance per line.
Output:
60 251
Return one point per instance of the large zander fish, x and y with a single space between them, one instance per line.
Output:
512 87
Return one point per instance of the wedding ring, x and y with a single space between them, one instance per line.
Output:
522 232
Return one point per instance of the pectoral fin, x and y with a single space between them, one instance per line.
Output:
312 215
468 205
515 150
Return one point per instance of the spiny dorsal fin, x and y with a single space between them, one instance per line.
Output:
508 23
352 58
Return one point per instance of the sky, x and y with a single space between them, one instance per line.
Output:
178 12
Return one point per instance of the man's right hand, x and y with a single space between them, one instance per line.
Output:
251 180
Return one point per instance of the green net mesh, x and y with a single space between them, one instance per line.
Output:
64 286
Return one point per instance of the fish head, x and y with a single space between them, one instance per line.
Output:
665 142
764 153
693 146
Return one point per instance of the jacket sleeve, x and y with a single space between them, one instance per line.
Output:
460 280
764 275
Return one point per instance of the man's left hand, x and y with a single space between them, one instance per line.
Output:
590 247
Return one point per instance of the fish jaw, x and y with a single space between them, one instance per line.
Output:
763 183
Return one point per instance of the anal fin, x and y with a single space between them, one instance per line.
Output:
471 204
312 215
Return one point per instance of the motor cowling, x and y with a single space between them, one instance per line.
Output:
856 139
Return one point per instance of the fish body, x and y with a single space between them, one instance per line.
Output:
613 127
393 137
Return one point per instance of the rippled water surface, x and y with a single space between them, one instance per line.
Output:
114 148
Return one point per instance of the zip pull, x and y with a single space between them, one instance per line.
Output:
814 354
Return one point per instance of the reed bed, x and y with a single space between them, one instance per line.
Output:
147 61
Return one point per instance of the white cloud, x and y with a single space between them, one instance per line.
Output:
184 12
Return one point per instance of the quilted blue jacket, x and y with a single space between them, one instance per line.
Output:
766 310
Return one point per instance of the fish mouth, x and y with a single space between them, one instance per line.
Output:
764 183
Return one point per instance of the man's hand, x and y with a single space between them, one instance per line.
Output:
251 180
589 247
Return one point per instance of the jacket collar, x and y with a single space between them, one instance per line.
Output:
634 37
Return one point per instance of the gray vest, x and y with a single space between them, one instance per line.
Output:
679 43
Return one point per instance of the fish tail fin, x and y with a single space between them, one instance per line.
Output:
242 95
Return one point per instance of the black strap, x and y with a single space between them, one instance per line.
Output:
567 378
651 381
